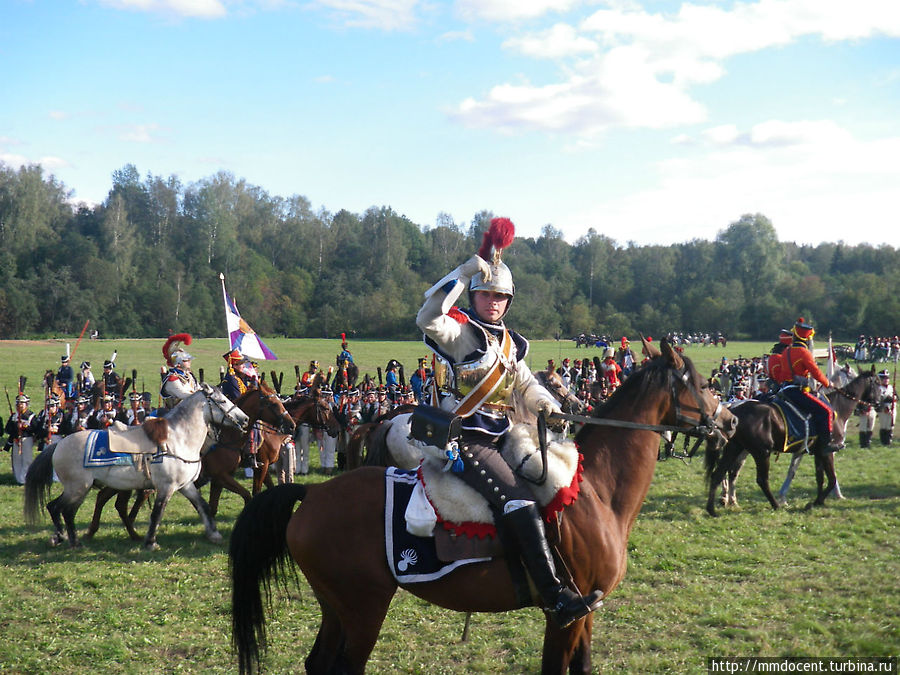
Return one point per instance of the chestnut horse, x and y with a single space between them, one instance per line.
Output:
354 591
761 432
263 406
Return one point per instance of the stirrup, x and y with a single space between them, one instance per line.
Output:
571 607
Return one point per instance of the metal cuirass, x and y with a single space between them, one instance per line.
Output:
461 378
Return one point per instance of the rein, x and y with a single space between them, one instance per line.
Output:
703 427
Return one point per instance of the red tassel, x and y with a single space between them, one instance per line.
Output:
498 236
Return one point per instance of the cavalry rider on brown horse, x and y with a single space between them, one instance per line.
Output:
487 365
796 367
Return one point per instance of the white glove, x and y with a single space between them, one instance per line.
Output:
473 266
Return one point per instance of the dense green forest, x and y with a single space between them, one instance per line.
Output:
147 260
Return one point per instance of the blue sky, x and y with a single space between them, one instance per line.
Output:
649 121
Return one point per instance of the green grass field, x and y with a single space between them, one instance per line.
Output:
753 582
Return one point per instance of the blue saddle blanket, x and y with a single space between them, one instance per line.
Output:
97 452
412 559
801 423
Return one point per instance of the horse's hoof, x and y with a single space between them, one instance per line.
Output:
152 546
75 544
55 540
215 537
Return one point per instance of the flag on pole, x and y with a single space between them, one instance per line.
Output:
240 335
831 368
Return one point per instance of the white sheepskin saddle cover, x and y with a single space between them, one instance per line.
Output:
456 502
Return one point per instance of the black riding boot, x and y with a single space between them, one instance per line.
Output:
564 605
864 438
884 436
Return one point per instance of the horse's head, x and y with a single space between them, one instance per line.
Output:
324 417
694 405
867 387
271 409
568 402
220 411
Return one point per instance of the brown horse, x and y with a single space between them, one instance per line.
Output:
354 591
263 406
761 433
370 436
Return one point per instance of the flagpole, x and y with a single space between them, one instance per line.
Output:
225 300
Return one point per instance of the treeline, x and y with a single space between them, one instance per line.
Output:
146 262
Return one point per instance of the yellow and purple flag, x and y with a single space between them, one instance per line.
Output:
241 336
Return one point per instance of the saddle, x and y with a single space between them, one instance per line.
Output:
801 429
461 511
121 446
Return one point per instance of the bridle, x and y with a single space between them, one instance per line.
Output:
701 424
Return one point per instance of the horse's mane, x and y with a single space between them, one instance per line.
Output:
653 374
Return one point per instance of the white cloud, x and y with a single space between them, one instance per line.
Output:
201 9
49 162
619 89
139 133
510 10
58 115
816 183
457 36
386 15
645 64
559 41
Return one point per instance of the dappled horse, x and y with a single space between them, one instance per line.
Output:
181 435
761 432
348 513
218 464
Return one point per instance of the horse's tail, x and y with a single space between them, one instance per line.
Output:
713 454
38 481
258 554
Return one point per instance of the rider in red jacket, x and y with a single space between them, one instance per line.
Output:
797 366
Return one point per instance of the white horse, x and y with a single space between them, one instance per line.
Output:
172 450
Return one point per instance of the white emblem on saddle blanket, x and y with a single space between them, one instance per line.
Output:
456 502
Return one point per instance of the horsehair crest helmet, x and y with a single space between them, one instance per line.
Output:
173 351
499 235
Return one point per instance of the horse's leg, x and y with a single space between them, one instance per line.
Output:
103 496
723 464
733 476
792 469
328 645
581 657
128 517
54 508
67 506
159 506
824 467
762 478
140 499
561 646
215 491
194 497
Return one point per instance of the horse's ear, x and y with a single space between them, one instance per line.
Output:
649 349
671 355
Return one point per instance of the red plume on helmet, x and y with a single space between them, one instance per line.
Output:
498 236
173 343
